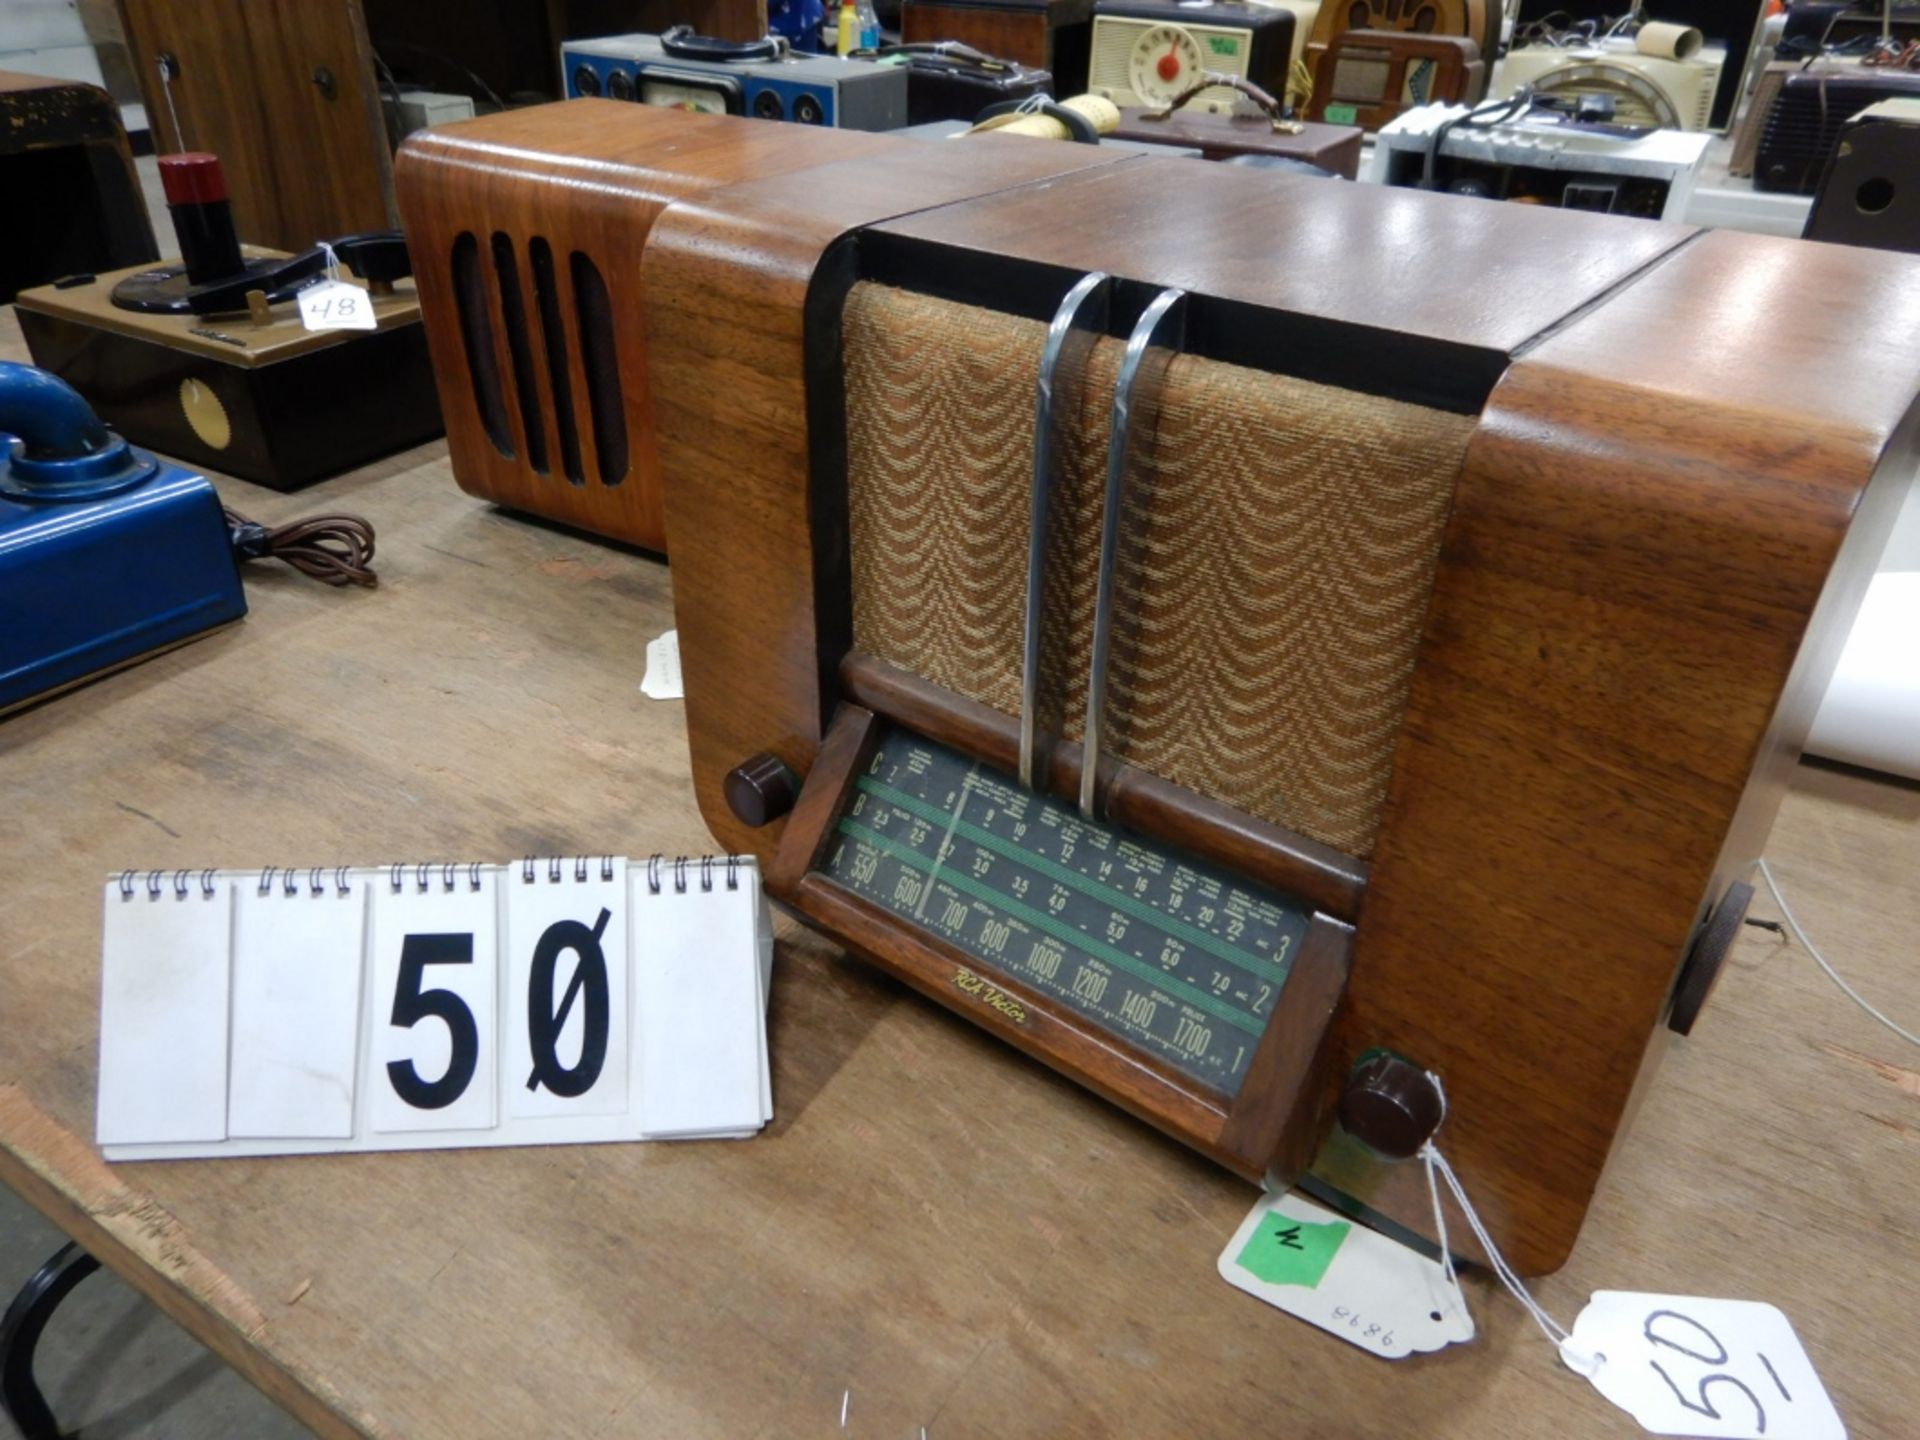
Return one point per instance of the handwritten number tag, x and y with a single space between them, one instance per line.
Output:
1350 1281
1688 1365
336 305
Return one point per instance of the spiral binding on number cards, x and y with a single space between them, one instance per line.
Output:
313 883
425 874
159 882
657 865
556 866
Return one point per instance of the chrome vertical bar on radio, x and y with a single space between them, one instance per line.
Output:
1077 324
1156 338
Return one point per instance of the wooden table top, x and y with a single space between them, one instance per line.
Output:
952 1235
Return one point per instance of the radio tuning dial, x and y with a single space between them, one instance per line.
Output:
1165 59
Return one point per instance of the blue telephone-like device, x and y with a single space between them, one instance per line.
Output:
107 554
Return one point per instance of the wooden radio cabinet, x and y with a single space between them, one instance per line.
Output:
1443 664
1135 604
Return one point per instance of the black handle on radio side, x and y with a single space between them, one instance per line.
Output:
682 43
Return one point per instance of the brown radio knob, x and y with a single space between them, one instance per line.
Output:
1390 1105
760 789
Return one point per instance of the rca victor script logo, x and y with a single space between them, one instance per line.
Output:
990 995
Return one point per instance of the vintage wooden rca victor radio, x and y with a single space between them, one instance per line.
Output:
1150 616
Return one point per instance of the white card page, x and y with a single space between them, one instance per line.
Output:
567 987
296 1004
699 1025
434 999
164 964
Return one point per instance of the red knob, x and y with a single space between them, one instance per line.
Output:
1169 67
192 178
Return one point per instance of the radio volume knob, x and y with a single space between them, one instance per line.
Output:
1390 1105
760 789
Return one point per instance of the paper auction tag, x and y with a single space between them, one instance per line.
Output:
1716 1369
662 680
336 305
1350 1281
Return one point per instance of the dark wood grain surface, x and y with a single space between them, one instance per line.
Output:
1395 260
301 164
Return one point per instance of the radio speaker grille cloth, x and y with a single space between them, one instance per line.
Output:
1287 534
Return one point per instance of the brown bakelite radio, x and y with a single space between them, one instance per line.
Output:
1249 641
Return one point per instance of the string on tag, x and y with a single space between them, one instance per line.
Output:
167 65
1582 1361
333 262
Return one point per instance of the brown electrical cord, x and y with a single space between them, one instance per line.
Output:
333 549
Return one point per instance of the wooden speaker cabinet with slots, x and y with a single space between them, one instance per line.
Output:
526 229
1248 696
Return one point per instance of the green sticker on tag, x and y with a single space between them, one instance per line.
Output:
1339 114
1285 1251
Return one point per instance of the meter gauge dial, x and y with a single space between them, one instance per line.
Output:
675 96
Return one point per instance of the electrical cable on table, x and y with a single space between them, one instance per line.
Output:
334 549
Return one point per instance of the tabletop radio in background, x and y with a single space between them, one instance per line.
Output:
1673 91
1541 157
1802 130
1147 52
761 79
1367 77
950 80
1475 20
1050 35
